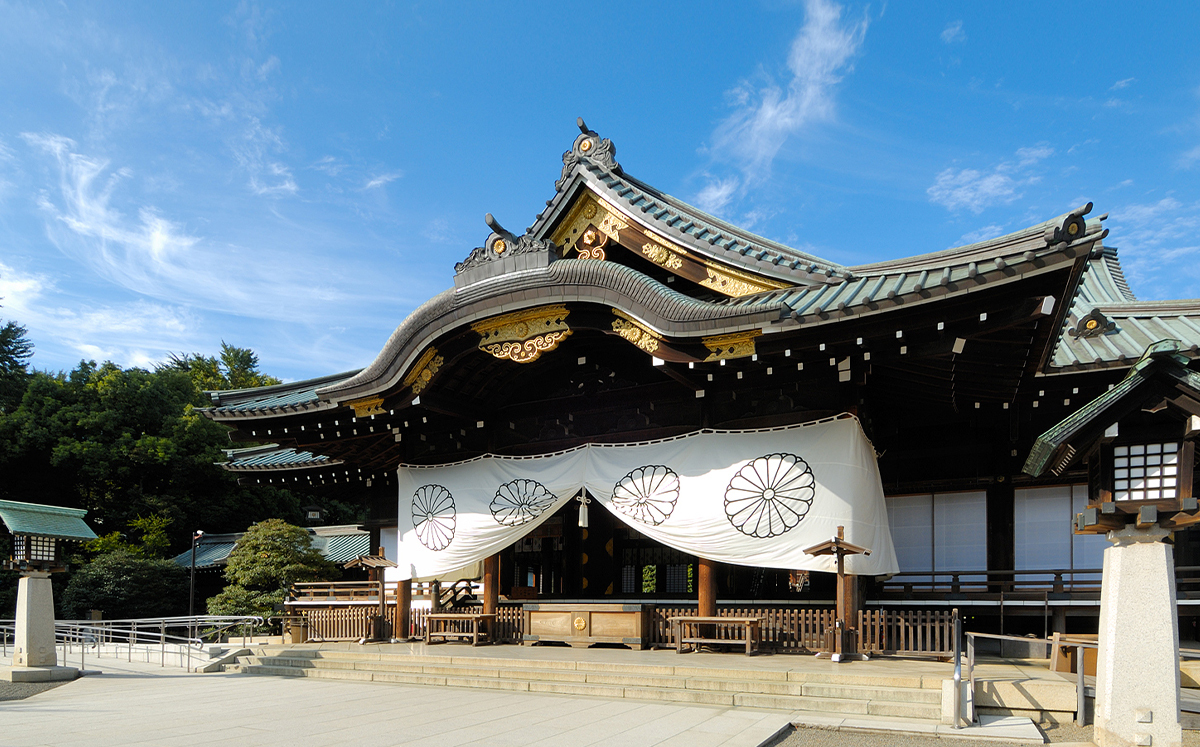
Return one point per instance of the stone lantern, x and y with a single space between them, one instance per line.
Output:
40 538
1136 443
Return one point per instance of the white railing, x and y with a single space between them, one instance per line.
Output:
167 641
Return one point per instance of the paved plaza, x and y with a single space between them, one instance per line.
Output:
134 703
144 703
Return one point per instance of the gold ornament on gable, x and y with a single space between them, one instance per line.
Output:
523 336
635 332
424 370
367 406
736 345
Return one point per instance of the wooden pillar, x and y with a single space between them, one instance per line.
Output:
403 609
707 588
491 583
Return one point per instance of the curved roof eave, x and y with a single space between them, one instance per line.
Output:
664 310
684 224
1128 325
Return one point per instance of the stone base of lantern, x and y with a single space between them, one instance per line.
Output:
1137 669
35 622
38 674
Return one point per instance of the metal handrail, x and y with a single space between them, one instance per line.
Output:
1080 688
145 634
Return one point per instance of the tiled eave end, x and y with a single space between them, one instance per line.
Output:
222 414
281 467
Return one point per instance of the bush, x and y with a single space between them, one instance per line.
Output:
271 556
125 586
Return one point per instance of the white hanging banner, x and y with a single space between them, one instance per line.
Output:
754 498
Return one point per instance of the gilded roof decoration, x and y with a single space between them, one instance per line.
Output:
502 244
736 345
367 406
523 336
591 148
635 332
424 370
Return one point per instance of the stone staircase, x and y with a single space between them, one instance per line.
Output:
841 694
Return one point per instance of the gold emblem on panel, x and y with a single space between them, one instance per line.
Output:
523 336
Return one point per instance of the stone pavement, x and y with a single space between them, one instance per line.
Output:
133 703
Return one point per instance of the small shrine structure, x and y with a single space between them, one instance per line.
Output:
40 537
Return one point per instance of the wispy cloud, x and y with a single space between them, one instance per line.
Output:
717 194
1158 247
149 253
982 234
767 112
382 179
1121 84
97 332
976 189
1190 158
953 33
255 152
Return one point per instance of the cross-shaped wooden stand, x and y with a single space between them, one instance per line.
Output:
845 647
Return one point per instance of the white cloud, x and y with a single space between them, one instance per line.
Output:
768 113
329 165
382 179
976 190
254 151
953 33
145 251
1190 158
982 234
1158 247
717 194
1121 84
971 189
140 333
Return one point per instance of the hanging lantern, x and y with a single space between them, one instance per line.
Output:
583 510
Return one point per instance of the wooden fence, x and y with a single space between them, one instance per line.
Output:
784 629
893 631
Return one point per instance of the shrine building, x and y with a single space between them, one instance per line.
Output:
634 402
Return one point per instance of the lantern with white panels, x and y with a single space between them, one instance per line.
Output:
40 537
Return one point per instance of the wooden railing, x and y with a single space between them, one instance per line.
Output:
784 629
892 631
1057 580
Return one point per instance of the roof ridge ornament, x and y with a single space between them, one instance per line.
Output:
503 244
590 147
1073 227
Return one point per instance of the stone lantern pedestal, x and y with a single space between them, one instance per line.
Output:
1137 669
35 658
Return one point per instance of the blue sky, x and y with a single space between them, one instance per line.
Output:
297 178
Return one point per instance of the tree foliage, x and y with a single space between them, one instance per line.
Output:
15 351
125 586
271 556
151 542
234 368
128 446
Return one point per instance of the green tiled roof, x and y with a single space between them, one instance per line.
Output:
343 547
46 521
208 555
1161 360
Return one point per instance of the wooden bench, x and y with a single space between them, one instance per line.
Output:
751 626
473 626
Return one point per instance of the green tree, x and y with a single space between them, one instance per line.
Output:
15 351
271 556
125 586
235 368
152 540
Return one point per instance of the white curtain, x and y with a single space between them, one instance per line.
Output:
754 498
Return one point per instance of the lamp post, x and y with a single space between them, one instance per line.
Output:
192 586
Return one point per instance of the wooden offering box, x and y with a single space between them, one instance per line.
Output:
585 624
